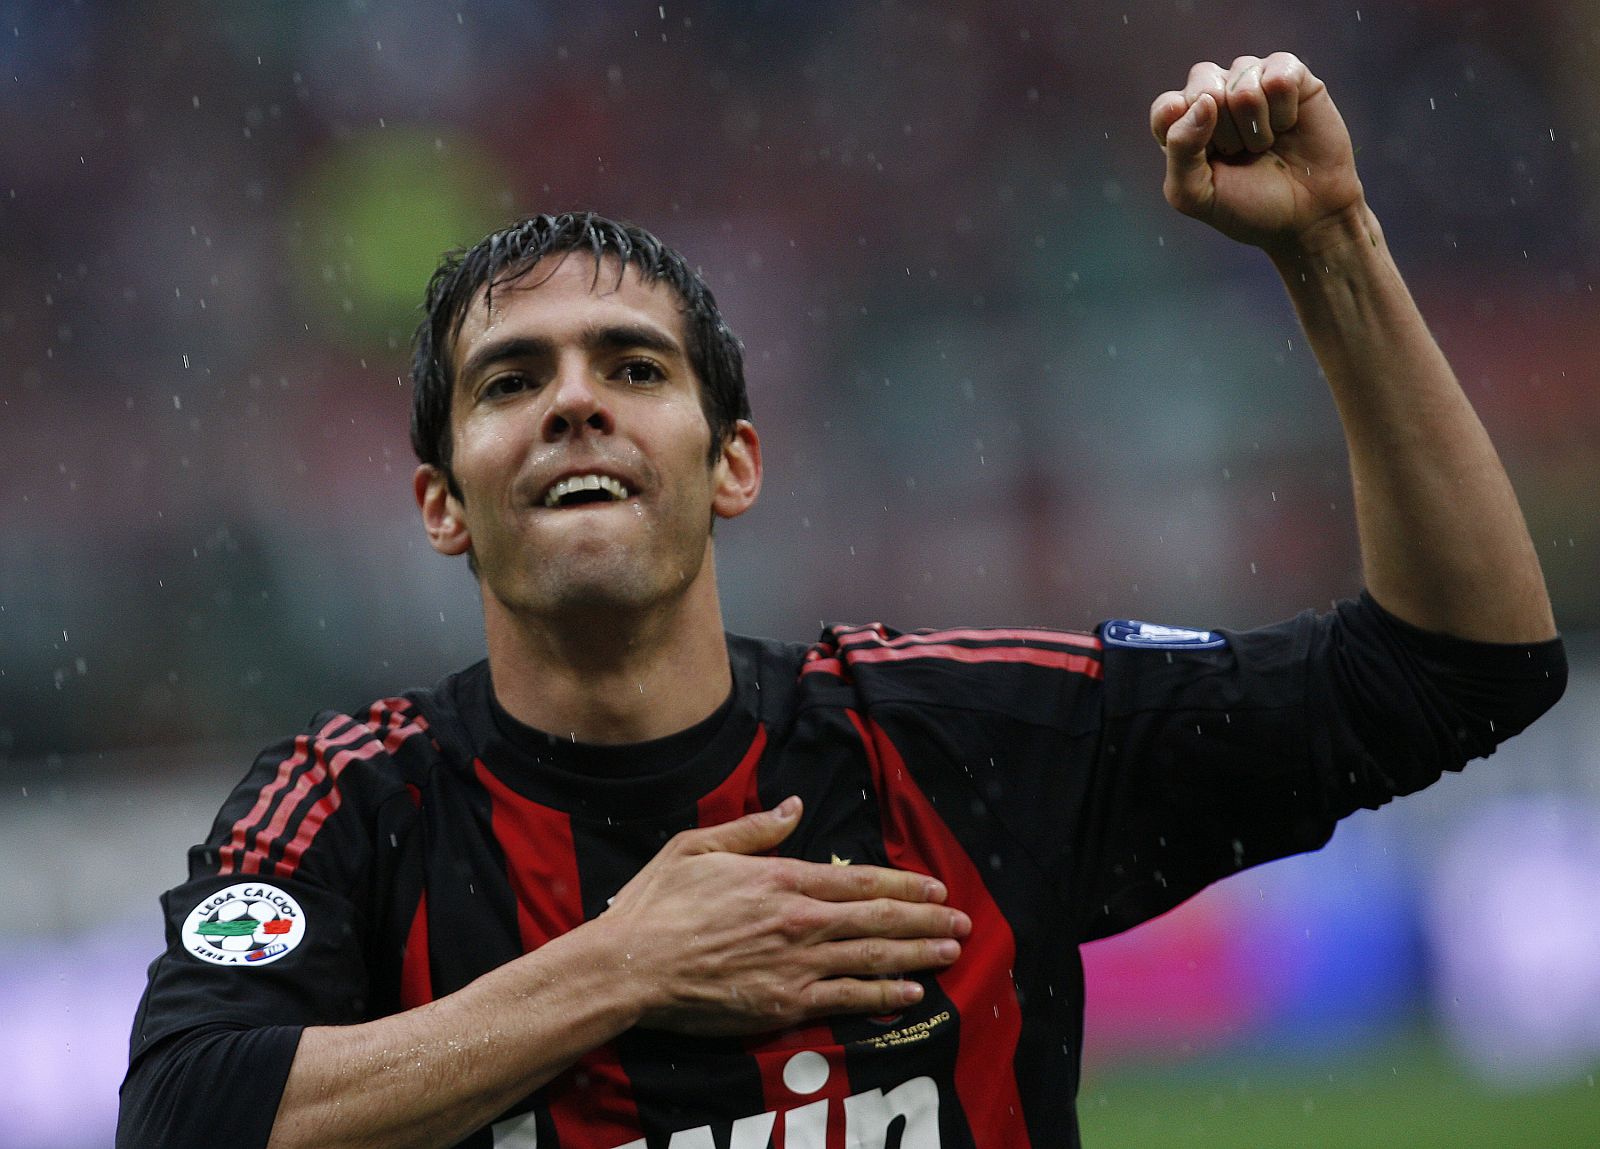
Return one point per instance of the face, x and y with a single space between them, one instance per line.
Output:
579 446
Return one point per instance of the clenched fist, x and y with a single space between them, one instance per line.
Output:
1258 151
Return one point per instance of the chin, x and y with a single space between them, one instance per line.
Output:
594 590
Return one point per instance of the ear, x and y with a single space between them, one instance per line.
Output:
738 472
441 512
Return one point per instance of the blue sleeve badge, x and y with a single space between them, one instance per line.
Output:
1153 636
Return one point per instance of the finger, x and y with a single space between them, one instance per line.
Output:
877 957
852 995
833 883
1167 110
887 918
1247 105
1282 79
750 834
1211 79
1188 184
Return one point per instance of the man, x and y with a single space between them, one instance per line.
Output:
634 882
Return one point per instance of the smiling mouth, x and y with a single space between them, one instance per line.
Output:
580 490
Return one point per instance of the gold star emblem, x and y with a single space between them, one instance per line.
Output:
838 861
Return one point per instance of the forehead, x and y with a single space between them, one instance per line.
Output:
564 295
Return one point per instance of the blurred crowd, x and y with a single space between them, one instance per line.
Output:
997 378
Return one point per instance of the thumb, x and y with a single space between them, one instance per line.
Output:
1188 184
753 833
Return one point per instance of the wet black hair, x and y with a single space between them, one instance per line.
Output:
500 258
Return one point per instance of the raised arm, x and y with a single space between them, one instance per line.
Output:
1259 151
705 940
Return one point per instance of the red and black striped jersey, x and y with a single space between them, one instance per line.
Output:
1063 786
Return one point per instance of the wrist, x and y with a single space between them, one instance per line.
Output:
605 952
1352 232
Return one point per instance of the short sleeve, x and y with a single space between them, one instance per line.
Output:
270 932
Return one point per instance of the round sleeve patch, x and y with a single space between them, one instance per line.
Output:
251 923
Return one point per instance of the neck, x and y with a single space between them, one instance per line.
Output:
612 675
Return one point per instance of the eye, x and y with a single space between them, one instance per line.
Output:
640 372
502 385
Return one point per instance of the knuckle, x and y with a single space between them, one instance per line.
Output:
779 1001
821 997
798 923
779 873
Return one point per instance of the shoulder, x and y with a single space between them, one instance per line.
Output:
413 732
339 770
381 738
1033 674
844 650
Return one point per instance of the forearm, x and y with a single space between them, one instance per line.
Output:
432 1075
1443 541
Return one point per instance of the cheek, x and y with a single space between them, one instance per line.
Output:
482 449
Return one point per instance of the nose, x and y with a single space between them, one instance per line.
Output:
577 405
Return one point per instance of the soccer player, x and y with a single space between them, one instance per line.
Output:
634 882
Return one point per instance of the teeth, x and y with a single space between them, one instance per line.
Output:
574 483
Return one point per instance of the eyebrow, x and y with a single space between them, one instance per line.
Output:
609 337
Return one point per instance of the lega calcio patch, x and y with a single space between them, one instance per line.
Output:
1153 636
249 924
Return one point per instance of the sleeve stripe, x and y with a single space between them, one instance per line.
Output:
402 723
406 721
255 860
987 637
316 761
229 856
1054 659
329 769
